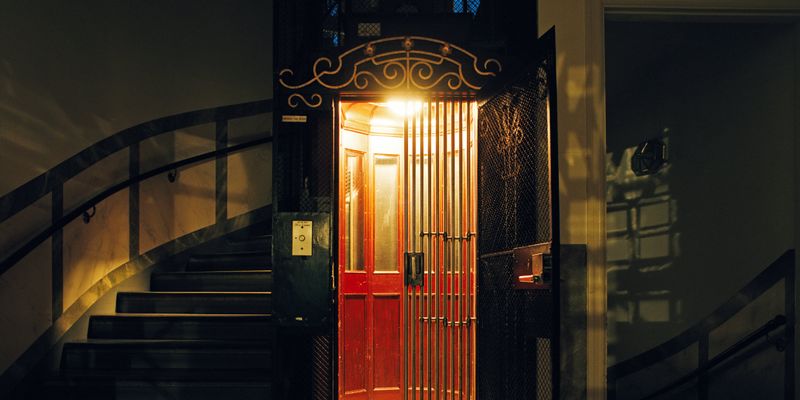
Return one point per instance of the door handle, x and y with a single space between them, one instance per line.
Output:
415 268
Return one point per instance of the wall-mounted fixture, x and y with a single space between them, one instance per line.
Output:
650 156
172 176
89 214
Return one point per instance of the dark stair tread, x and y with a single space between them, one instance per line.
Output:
154 388
242 260
181 326
123 355
168 374
234 280
255 243
194 302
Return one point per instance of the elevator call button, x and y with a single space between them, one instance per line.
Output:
301 238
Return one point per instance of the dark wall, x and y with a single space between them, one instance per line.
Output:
72 73
684 240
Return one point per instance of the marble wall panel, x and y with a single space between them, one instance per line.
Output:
249 179
156 151
17 230
25 304
249 172
194 140
98 177
155 212
194 199
155 196
168 210
243 129
93 250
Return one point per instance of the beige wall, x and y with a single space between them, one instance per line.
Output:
581 136
580 63
713 4
722 93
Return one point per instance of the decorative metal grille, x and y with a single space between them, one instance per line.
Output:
321 359
369 29
516 331
515 167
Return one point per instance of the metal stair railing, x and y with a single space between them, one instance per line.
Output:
782 269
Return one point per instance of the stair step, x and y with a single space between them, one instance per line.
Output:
213 281
156 355
182 326
256 243
158 389
246 260
195 302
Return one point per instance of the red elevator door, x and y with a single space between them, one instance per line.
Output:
370 272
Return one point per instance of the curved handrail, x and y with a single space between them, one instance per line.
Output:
756 287
29 246
33 190
764 330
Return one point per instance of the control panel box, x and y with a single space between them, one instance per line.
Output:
301 268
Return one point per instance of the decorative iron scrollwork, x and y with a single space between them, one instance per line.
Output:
401 62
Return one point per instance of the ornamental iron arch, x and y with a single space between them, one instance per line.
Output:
406 63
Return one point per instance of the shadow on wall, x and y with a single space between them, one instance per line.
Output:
77 72
684 240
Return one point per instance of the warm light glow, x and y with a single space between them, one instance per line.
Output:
404 107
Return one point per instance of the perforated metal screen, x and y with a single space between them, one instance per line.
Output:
516 328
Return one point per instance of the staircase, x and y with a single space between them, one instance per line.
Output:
204 332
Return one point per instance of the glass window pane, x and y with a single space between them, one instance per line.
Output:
386 212
354 212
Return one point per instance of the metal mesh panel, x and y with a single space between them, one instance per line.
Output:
516 327
321 360
369 29
515 167
466 6
362 6
514 360
303 164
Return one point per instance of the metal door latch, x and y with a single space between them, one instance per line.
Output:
415 269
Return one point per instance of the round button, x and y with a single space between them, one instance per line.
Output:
302 238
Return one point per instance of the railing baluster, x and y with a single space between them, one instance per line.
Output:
221 175
57 253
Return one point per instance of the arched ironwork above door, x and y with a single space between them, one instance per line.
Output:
403 63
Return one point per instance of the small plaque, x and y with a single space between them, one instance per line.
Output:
301 238
295 118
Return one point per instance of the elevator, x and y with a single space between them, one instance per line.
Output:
406 247
437 174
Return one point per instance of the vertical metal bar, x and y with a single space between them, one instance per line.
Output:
420 217
133 202
423 206
452 246
469 249
789 310
702 360
461 249
405 264
445 255
414 248
438 228
221 172
57 254
430 248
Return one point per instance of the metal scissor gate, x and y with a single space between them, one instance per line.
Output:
439 303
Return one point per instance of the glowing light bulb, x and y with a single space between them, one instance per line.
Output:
404 107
